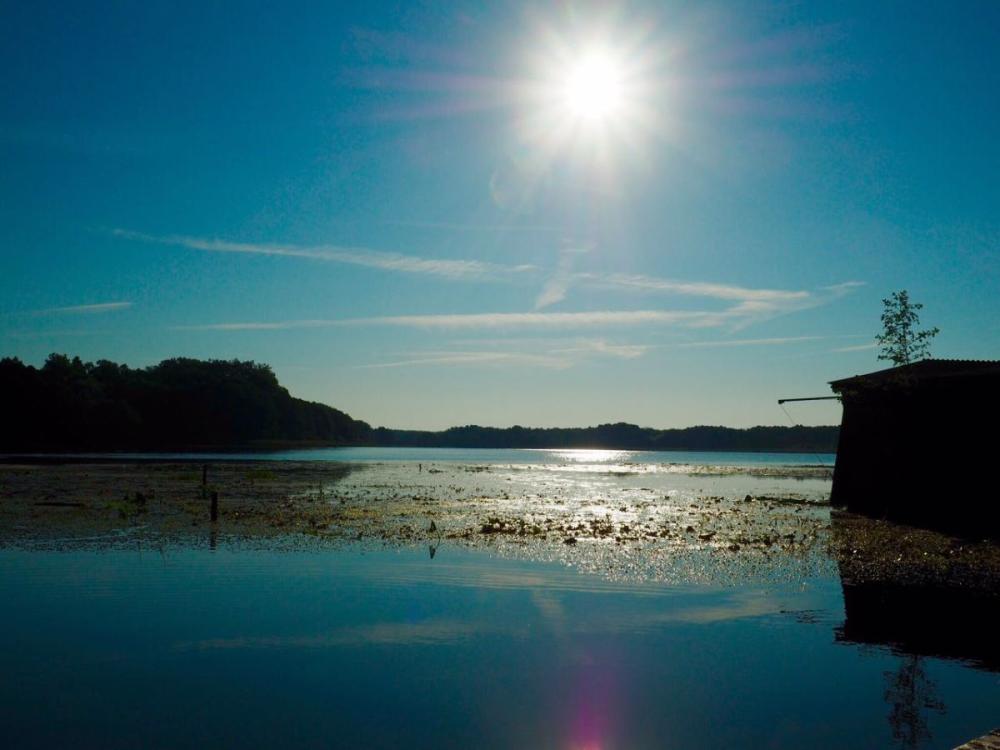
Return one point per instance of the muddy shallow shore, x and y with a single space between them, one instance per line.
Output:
680 525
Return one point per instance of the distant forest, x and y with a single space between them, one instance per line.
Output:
190 404
622 436
70 405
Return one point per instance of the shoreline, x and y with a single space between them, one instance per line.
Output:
245 453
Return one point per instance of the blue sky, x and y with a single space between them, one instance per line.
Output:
394 205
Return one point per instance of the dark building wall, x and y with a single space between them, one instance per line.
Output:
922 451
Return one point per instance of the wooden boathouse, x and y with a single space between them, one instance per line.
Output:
920 444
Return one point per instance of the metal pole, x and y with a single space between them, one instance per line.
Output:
811 398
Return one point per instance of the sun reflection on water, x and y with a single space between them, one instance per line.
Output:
591 455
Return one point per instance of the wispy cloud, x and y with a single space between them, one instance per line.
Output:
750 304
441 267
747 304
780 341
100 307
752 311
551 319
743 306
602 347
736 317
54 334
558 284
641 283
459 227
566 353
557 320
430 632
488 358
858 348
571 353
281 325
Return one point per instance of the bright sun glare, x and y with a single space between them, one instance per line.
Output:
589 97
593 88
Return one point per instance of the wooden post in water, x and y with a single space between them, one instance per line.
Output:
204 481
215 506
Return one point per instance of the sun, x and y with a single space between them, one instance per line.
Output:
590 95
593 87
590 99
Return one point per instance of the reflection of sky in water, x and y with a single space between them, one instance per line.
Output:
391 649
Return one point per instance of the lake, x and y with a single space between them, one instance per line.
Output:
367 647
445 598
491 456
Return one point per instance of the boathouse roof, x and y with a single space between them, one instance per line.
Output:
925 370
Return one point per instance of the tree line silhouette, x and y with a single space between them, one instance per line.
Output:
622 436
190 404
68 404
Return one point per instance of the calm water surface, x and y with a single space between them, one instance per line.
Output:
503 456
356 648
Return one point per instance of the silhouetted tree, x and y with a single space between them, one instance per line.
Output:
69 404
911 694
899 341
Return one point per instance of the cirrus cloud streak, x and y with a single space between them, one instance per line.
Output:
454 269
555 320
100 307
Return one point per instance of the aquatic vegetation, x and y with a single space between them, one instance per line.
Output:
261 474
126 508
670 526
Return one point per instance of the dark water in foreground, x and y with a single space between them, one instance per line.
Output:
390 649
